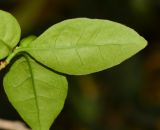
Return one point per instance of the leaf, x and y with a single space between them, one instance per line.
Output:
26 41
4 50
37 93
83 46
9 29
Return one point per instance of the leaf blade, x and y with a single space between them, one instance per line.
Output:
4 50
83 46
9 29
40 93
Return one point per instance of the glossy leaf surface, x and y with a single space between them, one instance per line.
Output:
9 29
37 93
83 46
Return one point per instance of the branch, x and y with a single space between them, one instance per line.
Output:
3 64
12 125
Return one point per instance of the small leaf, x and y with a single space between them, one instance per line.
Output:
9 29
37 93
83 46
26 41
4 50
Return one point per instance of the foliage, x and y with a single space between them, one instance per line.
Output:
35 84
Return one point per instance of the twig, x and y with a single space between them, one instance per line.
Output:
3 64
12 125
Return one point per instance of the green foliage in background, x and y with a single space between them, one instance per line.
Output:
79 46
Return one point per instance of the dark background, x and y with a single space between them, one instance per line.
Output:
125 97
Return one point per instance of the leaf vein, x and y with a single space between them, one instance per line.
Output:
22 82
34 90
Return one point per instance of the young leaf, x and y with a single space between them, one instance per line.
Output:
37 93
26 41
9 29
4 50
82 46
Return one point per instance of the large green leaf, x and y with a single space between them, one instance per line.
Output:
9 29
4 50
83 46
37 93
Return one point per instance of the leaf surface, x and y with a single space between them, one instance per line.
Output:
26 41
4 50
9 29
83 46
37 93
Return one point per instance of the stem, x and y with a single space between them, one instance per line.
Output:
12 55
4 63
10 125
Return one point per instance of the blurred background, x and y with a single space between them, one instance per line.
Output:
125 97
